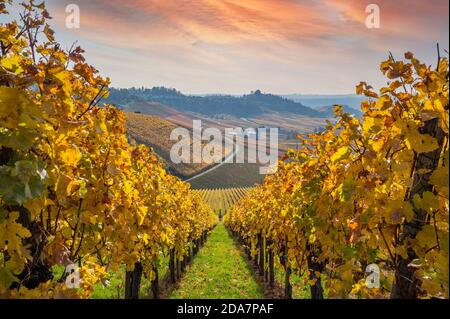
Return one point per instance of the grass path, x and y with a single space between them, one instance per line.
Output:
219 271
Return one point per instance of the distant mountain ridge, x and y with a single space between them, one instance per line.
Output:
328 111
317 101
253 104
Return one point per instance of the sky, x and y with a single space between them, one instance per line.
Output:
238 46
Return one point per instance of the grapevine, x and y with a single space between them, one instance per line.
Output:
361 192
72 189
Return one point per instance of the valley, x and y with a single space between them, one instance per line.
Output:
150 122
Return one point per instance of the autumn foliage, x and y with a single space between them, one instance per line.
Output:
72 189
369 191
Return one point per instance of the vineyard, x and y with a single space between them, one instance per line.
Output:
221 200
73 191
362 196
155 132
84 213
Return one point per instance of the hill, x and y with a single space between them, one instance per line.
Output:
316 101
150 122
154 132
251 105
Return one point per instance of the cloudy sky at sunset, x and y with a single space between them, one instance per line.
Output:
235 46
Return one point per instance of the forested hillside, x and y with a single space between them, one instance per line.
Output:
250 105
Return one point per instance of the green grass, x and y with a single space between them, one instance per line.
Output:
219 271
116 286
300 288
114 290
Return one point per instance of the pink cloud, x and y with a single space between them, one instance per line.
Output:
255 40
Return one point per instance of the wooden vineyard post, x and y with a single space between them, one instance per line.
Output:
271 269
197 246
241 239
173 278
177 268
247 244
287 269
255 260
189 256
194 248
266 260
133 282
271 262
155 284
287 284
183 264
261 254
315 268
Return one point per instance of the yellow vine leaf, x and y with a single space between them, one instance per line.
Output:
341 154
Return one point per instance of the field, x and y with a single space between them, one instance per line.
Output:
154 122
220 200
154 131
285 121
